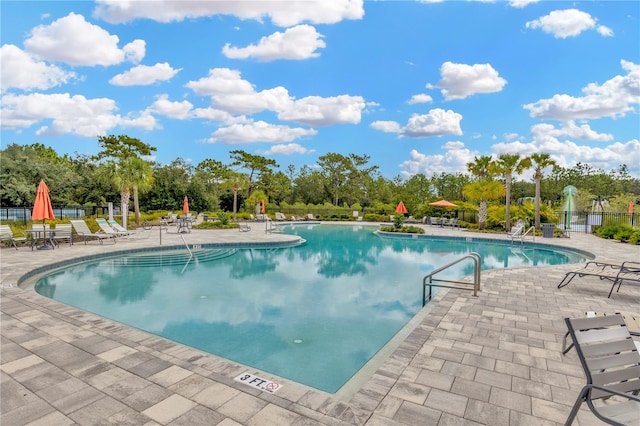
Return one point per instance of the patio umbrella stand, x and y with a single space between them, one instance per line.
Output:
42 210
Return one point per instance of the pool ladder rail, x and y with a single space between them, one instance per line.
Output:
430 280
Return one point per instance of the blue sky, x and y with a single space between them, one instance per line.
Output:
420 87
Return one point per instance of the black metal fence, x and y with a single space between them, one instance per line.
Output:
586 222
570 221
576 221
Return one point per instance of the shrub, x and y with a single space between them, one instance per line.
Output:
623 234
635 237
223 218
398 219
216 225
607 231
404 229
374 217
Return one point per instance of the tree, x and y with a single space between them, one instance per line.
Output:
277 185
236 182
540 162
255 164
130 174
345 176
483 191
170 185
309 186
211 175
123 148
449 186
335 171
23 166
483 168
507 165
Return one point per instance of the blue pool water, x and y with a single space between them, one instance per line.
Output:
314 313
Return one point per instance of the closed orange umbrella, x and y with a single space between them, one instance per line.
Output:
42 209
185 205
262 207
401 208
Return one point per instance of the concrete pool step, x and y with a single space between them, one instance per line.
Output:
170 258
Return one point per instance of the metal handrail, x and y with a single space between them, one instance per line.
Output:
533 230
188 249
521 237
428 281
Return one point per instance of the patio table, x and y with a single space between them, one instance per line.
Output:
42 235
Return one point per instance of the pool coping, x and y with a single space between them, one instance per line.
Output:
367 405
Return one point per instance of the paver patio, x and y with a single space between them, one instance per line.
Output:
493 359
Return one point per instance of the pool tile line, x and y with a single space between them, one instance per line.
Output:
465 362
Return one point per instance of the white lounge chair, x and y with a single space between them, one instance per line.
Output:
115 225
280 216
63 232
310 216
6 234
83 231
107 229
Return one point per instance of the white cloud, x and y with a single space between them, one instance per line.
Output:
75 41
521 3
421 98
212 114
566 23
281 13
68 114
288 149
231 93
178 110
614 98
386 126
300 42
144 75
258 131
454 160
221 81
318 111
22 71
437 122
571 130
568 153
460 80
604 31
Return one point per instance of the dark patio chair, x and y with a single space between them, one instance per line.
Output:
611 363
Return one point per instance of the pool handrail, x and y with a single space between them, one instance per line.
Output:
428 280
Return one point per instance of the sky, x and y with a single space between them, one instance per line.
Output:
418 86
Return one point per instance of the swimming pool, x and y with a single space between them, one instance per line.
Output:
314 314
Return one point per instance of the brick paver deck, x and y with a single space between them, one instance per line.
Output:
494 359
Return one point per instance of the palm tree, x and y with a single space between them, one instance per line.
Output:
507 165
142 179
235 181
483 190
541 161
132 173
482 168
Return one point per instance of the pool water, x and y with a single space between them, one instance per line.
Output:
314 314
